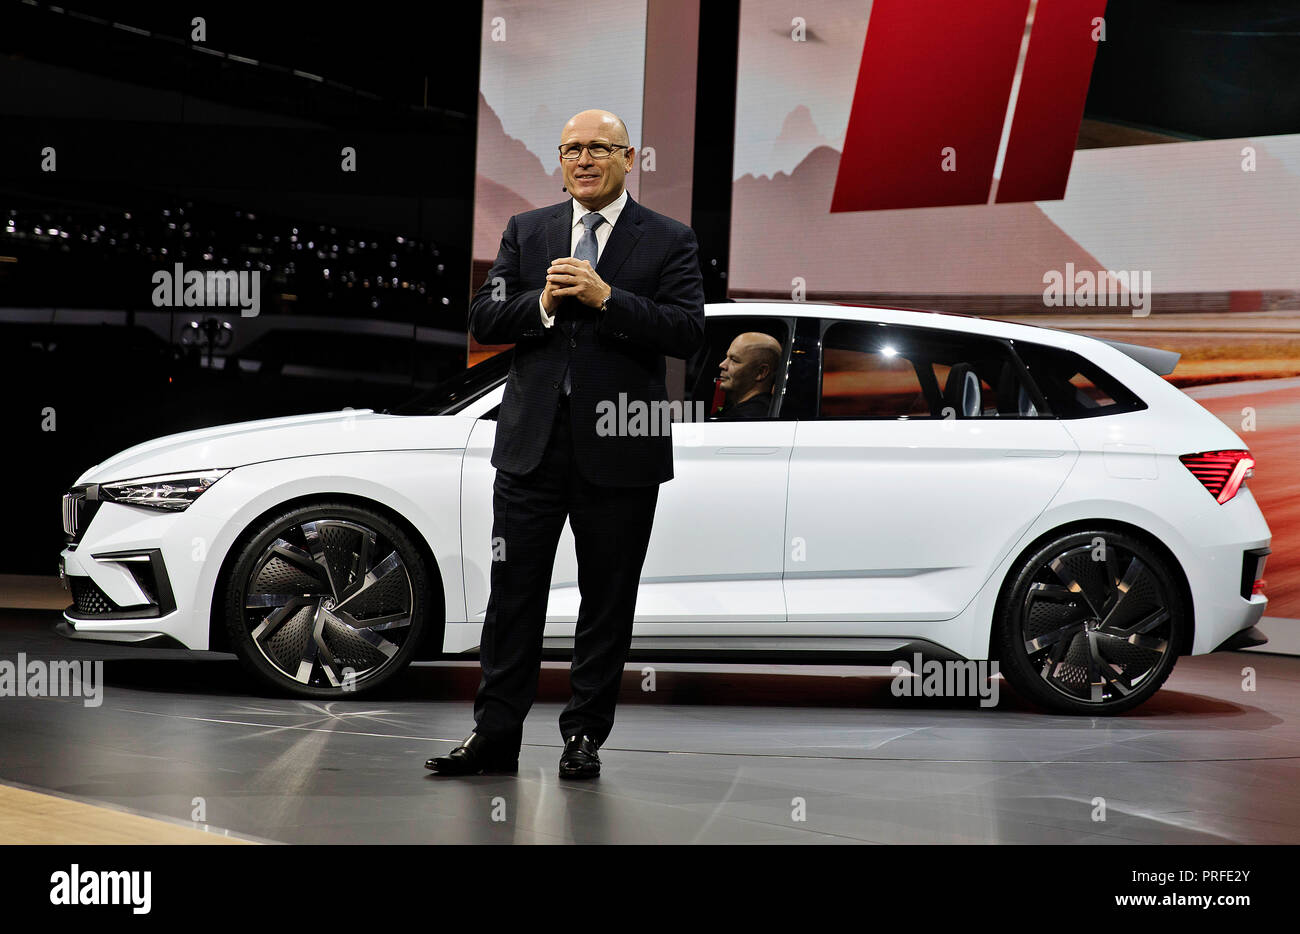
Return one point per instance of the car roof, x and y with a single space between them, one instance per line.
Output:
1160 362
916 317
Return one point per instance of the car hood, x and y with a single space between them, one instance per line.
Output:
276 438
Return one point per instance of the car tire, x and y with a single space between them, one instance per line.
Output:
1091 623
305 583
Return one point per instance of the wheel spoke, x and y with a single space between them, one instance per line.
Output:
362 564
1096 687
316 548
263 601
1141 627
268 626
378 642
295 556
284 569
1150 643
1072 583
316 654
1054 658
390 565
1055 637
1101 674
1114 592
374 623
310 652
1136 571
1052 592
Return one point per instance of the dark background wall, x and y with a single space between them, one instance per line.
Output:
1199 69
222 154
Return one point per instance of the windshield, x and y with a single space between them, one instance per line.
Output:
458 391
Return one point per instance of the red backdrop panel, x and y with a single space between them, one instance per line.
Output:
933 75
1053 89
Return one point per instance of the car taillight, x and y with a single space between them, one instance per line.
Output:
1221 472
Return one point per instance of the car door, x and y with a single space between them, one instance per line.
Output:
716 552
927 458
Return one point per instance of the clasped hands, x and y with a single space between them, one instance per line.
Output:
573 278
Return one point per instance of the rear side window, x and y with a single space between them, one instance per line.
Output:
877 370
1074 386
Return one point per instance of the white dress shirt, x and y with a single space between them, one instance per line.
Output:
610 212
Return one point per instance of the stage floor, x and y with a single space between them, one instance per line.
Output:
717 754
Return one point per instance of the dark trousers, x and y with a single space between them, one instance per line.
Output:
611 529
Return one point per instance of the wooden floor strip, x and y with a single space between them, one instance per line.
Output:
29 817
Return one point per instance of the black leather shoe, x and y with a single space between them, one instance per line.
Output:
579 759
476 754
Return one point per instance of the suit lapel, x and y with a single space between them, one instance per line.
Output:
559 233
621 241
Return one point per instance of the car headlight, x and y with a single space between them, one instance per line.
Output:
173 492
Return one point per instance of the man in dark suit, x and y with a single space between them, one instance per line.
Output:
593 292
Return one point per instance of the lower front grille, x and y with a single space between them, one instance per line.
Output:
150 574
88 598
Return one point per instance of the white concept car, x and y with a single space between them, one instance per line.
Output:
929 483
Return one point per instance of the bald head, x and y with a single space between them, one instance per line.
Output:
594 182
600 121
749 368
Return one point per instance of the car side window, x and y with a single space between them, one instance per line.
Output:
870 382
740 371
877 370
1074 386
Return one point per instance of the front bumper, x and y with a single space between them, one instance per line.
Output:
137 640
131 573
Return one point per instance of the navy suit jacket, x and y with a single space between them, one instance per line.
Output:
656 309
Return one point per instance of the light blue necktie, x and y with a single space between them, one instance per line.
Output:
589 250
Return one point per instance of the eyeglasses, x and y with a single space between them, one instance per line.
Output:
572 151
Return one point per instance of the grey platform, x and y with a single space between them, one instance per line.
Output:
718 754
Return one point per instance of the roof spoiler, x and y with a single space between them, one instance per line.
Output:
1159 362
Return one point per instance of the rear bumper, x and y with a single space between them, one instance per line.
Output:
1222 554
1246 639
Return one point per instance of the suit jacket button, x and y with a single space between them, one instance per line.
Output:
555 384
